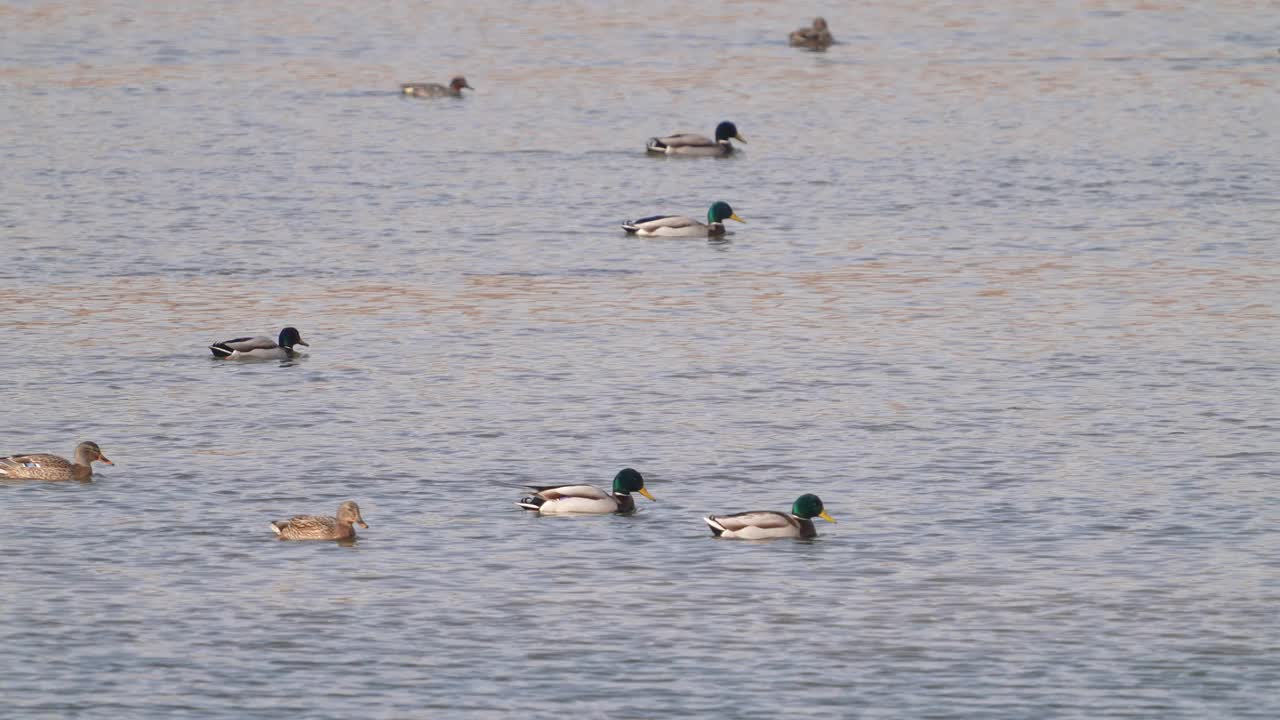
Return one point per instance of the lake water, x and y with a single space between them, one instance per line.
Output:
1007 300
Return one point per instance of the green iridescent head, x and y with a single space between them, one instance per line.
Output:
290 337
720 211
810 506
628 481
726 130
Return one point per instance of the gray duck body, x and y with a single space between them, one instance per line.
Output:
681 226
261 347
770 524
436 90
760 525
694 145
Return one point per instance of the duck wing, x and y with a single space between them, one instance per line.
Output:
757 519
812 37
35 460
680 140
655 222
306 526
556 492
243 345
423 89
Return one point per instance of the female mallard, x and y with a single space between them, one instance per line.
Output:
321 527
40 466
817 37
263 348
453 89
697 145
575 499
766 524
680 226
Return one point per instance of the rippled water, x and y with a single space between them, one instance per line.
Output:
1006 300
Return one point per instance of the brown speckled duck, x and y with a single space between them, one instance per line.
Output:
453 89
321 527
41 466
817 37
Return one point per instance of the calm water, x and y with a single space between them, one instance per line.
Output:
1007 300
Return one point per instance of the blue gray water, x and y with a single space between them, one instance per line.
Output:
1006 300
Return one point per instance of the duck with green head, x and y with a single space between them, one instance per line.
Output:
587 499
260 348
42 466
768 524
681 226
694 145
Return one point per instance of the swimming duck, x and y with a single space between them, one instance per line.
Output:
817 37
697 145
576 499
453 89
41 466
680 226
765 524
263 348
321 527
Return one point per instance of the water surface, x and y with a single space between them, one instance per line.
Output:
1006 300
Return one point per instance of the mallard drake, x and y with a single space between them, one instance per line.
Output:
680 226
766 524
453 89
697 145
588 499
41 466
817 37
321 527
260 348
